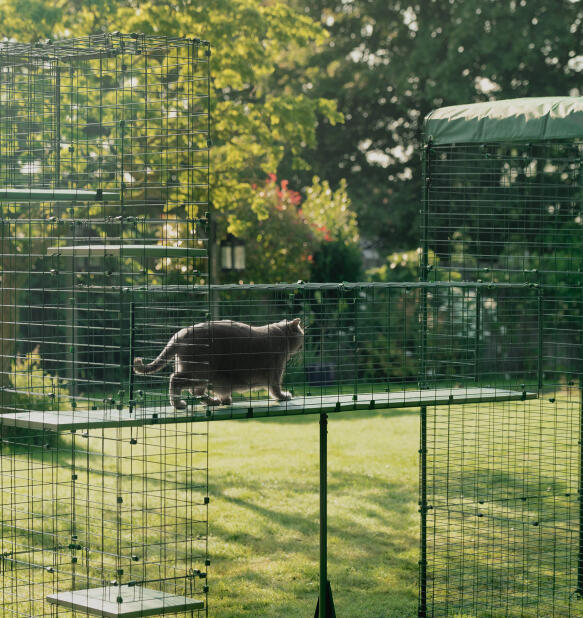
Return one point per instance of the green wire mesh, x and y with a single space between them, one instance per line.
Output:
104 194
501 483
104 182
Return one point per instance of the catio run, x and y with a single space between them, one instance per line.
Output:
104 195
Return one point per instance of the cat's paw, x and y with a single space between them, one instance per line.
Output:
179 404
285 396
213 401
226 401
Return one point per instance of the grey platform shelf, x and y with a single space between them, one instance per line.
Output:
57 195
136 601
128 250
66 420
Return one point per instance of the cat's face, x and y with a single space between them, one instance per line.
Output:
295 334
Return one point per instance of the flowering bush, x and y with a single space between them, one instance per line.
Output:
278 240
288 239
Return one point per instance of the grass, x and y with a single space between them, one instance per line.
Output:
264 515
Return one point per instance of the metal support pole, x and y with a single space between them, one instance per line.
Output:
540 339
477 335
579 590
422 607
580 554
57 138
131 359
325 605
323 513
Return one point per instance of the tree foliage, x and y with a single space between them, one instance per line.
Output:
329 212
278 239
254 127
389 63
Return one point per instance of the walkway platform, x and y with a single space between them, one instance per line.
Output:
66 420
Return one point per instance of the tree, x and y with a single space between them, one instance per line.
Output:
254 127
278 238
315 239
389 64
338 256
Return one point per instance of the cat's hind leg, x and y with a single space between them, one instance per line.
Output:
201 391
178 383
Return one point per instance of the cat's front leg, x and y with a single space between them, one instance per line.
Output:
277 393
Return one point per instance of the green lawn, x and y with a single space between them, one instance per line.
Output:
264 515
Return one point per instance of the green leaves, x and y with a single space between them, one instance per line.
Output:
389 64
329 212
257 121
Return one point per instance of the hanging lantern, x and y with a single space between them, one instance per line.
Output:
232 253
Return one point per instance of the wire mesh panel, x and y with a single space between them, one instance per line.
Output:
103 199
359 348
503 530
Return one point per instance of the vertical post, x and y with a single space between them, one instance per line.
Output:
325 605
477 336
580 554
213 256
323 514
356 292
579 590
57 142
424 271
212 245
422 606
540 339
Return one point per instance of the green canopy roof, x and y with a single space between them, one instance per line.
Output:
518 120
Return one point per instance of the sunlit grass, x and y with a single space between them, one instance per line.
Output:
265 524
264 519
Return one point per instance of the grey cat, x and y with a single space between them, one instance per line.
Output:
226 356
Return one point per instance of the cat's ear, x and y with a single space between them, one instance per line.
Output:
295 322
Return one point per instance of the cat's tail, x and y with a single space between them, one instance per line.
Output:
158 363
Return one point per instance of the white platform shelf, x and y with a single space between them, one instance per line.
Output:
136 601
56 195
66 420
129 250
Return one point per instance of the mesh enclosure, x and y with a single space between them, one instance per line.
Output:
104 257
503 505
103 198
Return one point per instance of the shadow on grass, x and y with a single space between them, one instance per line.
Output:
372 539
504 544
